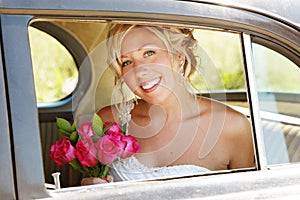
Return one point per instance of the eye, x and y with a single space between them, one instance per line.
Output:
149 53
126 63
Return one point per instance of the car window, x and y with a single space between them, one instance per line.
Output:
55 71
220 76
278 84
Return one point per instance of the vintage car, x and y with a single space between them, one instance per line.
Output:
253 48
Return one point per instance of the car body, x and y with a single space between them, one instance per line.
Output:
271 24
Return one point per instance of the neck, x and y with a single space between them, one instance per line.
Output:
180 105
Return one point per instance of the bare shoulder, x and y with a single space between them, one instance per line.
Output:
236 125
238 137
236 134
106 114
234 121
237 120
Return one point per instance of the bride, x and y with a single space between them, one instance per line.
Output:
179 132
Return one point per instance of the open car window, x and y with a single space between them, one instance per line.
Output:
221 77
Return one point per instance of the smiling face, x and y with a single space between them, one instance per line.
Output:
146 65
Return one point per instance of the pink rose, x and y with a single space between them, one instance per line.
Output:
132 147
86 153
114 127
119 138
85 130
108 149
62 152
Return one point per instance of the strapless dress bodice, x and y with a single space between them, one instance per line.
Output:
131 169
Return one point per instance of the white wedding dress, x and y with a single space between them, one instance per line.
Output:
131 169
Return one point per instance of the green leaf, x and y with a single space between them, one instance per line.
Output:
77 165
63 124
86 170
62 132
97 125
95 171
74 138
123 128
96 138
73 127
106 128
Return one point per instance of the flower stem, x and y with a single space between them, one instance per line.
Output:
104 171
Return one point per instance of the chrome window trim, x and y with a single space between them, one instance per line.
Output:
261 158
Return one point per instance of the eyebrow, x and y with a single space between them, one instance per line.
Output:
145 46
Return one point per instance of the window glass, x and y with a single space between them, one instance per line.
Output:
274 72
224 50
55 72
278 84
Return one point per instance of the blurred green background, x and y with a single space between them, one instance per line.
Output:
55 72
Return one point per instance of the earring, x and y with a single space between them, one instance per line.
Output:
135 100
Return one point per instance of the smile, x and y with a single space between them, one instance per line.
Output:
150 86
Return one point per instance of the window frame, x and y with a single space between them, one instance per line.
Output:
261 158
15 18
23 119
6 146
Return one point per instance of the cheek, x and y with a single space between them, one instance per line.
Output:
125 70
130 79
128 75
164 59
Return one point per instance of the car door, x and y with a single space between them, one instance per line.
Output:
23 175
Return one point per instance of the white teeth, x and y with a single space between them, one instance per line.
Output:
150 84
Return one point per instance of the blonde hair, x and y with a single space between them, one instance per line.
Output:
179 41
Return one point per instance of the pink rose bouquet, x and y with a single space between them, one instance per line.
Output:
93 146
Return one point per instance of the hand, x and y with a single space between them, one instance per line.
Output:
94 180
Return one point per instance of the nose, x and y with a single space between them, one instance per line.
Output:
140 65
137 59
141 70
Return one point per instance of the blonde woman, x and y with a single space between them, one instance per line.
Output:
180 133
